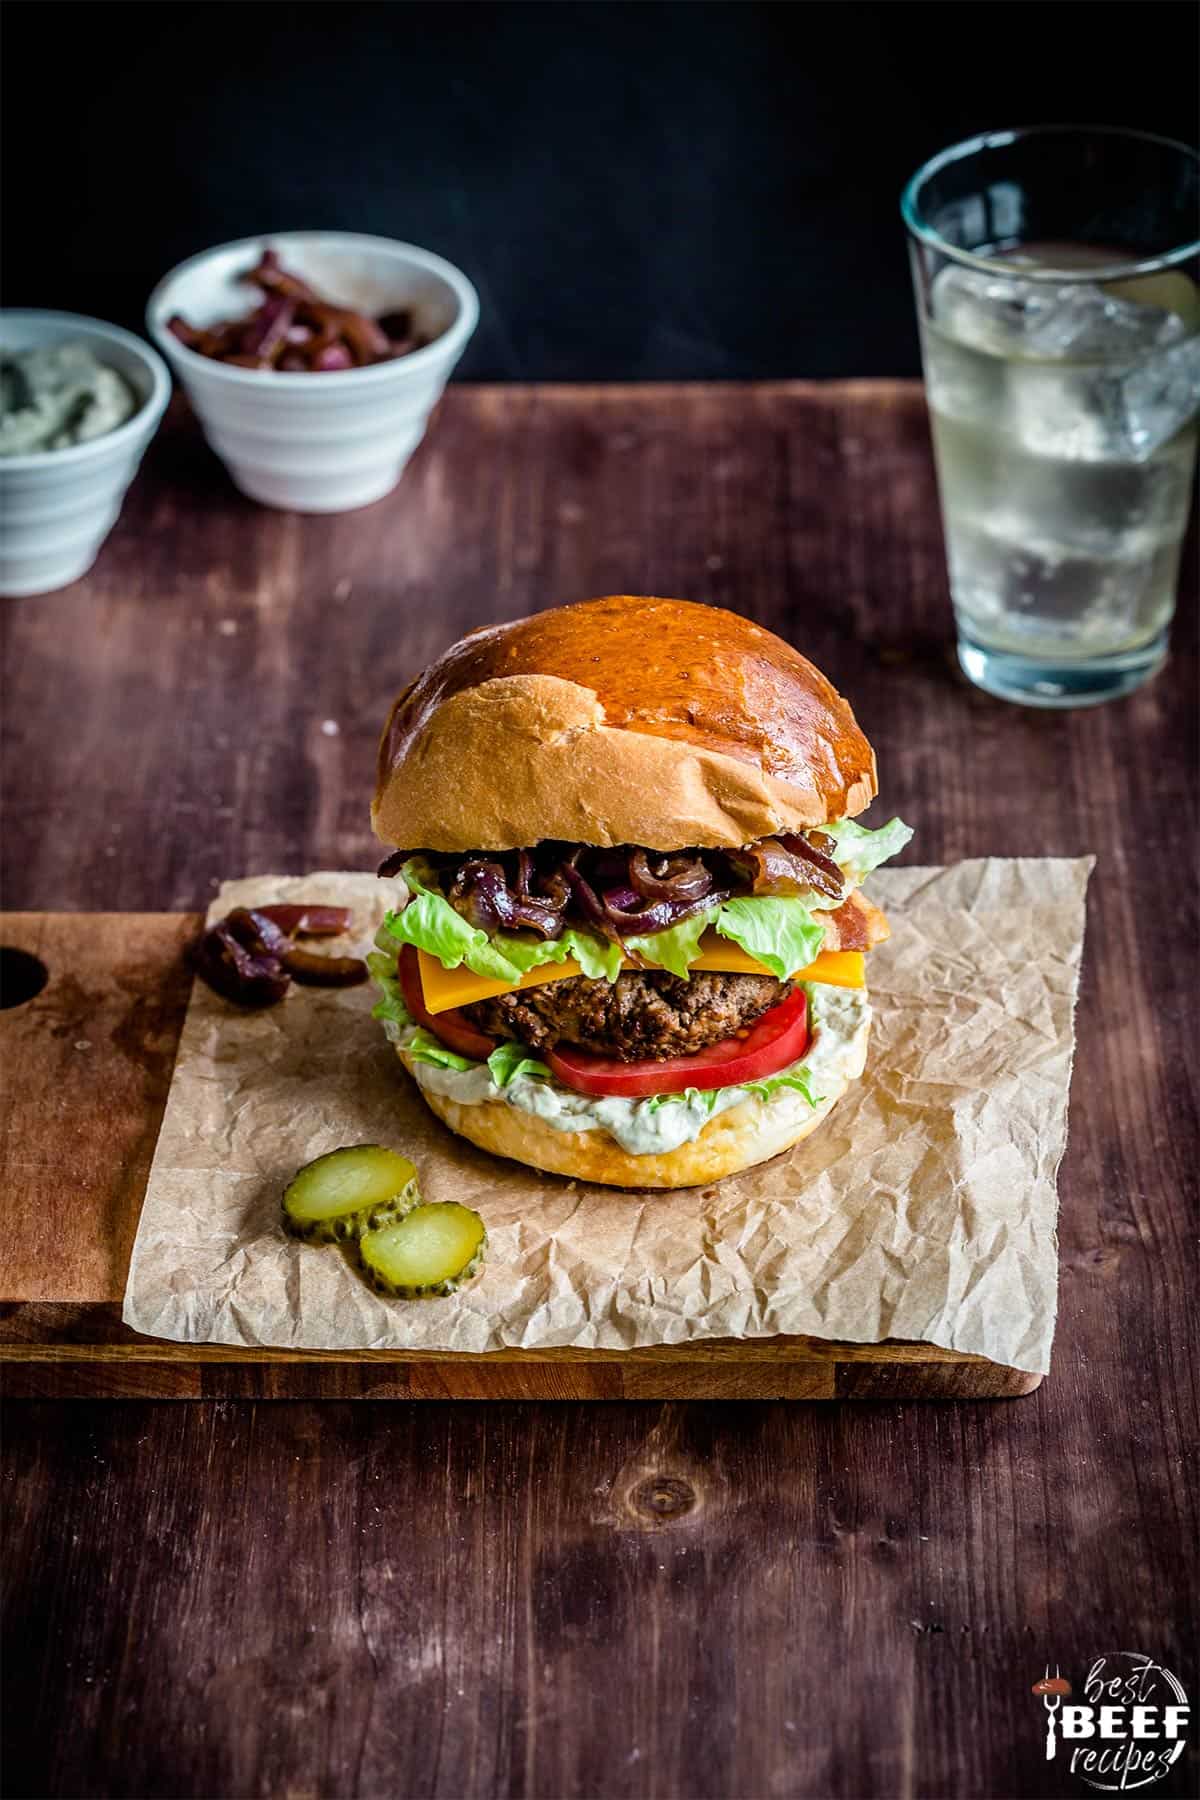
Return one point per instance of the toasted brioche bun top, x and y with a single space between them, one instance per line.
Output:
618 721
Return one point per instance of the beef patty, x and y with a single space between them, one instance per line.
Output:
644 1014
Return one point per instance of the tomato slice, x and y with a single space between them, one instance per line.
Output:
452 1026
780 1037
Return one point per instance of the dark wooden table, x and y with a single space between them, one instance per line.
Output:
340 1599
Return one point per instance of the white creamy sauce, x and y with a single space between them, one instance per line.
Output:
57 396
839 1017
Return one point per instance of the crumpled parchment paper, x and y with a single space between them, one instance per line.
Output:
923 1208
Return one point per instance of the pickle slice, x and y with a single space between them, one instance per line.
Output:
433 1249
349 1191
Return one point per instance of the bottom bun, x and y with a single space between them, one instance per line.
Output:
750 1133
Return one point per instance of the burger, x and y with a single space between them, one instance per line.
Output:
628 939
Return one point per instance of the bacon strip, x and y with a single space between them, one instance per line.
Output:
856 925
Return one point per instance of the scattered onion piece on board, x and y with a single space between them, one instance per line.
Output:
250 957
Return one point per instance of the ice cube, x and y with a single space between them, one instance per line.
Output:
1118 414
1077 321
962 384
1156 398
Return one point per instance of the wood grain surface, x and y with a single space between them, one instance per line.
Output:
633 1599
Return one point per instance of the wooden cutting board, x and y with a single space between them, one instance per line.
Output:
87 1064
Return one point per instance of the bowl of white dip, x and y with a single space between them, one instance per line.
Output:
79 402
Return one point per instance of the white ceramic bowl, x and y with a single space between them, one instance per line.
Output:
58 506
318 442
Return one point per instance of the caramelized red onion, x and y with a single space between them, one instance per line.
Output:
789 865
668 877
820 868
313 969
237 971
653 915
249 956
767 868
625 890
294 330
309 967
619 899
587 899
482 893
615 910
307 921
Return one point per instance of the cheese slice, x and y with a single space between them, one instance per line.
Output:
444 988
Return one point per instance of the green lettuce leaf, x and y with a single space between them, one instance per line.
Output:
382 964
595 955
430 923
778 930
859 850
393 1009
508 1060
425 1048
705 1097
677 948
799 1080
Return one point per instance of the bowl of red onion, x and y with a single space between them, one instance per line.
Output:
313 359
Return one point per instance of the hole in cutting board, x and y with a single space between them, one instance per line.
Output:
22 977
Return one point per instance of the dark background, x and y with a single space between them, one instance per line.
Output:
651 190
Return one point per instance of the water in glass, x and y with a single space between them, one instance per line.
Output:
1065 427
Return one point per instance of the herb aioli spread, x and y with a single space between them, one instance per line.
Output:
58 396
840 1022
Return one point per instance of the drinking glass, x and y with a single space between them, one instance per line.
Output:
1056 281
